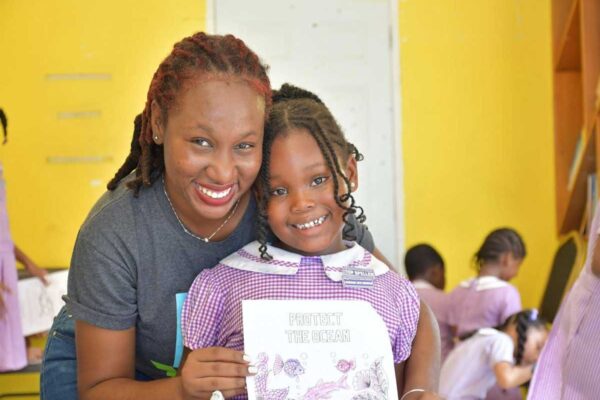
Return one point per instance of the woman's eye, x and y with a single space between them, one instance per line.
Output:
245 146
319 180
278 192
202 142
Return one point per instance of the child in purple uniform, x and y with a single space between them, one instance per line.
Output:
505 354
305 197
425 269
569 367
488 299
13 352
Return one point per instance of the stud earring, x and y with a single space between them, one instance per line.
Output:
156 138
352 185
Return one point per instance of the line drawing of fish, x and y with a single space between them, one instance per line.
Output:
345 365
323 390
260 380
292 367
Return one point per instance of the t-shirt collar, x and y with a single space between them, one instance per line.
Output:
287 263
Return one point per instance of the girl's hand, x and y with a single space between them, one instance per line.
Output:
3 289
37 272
214 368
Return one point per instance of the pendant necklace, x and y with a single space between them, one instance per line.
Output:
209 237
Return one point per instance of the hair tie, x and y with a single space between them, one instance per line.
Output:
533 315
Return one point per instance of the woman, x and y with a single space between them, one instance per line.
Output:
196 153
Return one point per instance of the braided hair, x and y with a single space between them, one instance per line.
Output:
524 321
296 108
4 122
497 243
199 54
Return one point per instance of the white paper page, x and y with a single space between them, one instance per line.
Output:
318 349
39 304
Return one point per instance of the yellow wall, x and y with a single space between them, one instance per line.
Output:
477 130
477 125
124 38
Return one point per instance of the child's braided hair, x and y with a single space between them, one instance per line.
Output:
296 108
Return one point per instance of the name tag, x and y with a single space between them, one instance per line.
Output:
358 277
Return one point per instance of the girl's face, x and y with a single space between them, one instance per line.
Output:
302 211
536 338
212 147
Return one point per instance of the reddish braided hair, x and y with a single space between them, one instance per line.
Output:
201 54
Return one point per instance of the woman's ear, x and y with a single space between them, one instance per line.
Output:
157 123
352 173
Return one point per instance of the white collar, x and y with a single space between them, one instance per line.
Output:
484 283
423 284
287 263
488 331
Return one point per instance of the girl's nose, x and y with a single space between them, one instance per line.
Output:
302 201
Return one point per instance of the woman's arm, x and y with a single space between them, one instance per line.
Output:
422 370
510 376
106 369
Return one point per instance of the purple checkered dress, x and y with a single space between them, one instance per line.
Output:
212 312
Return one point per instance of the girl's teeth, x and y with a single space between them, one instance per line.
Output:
311 224
215 195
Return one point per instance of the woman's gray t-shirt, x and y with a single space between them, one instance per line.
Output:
133 264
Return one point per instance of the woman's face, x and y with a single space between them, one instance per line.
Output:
212 143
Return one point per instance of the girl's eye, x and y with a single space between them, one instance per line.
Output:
319 180
202 142
278 192
245 146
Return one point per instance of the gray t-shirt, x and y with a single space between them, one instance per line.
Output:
133 264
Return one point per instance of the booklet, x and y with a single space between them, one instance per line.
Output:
318 349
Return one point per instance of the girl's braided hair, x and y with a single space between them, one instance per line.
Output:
296 108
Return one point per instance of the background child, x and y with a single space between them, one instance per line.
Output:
505 355
425 268
13 354
305 190
489 299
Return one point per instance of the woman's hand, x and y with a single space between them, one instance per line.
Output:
214 368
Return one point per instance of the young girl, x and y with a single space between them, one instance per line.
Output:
13 354
489 299
505 355
305 196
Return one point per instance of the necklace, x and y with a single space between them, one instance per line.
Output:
209 237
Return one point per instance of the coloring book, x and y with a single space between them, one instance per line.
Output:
318 349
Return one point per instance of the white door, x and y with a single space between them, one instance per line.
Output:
342 50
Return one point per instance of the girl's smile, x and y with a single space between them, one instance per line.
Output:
302 210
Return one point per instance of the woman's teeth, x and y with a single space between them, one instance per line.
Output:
311 224
215 195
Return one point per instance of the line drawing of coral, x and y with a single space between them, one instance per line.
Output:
261 378
372 383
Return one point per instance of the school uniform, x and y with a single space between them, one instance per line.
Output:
13 354
569 366
437 300
482 302
468 372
